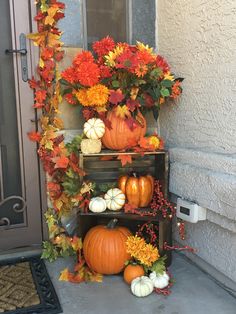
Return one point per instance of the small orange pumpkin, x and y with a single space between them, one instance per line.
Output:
104 248
120 136
133 271
138 190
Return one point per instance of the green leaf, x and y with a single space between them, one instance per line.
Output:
155 111
70 173
74 145
103 188
155 73
167 83
156 93
139 82
66 91
72 186
165 92
159 266
64 82
180 79
50 251
115 84
44 6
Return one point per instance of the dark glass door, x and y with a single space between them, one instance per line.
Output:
20 214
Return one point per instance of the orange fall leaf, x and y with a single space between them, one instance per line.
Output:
34 136
125 159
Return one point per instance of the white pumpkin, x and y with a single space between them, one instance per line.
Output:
142 286
94 128
97 205
115 199
159 281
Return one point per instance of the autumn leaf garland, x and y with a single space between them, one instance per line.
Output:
60 161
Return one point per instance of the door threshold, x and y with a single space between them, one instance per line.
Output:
22 252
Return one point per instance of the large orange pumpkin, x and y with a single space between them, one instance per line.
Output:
120 136
138 190
105 249
133 271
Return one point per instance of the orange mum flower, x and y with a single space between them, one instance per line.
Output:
141 70
82 97
88 74
98 95
176 90
69 75
103 46
84 56
145 57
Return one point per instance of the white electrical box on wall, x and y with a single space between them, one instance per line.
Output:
189 211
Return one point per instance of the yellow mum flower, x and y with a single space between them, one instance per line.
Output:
98 95
169 76
144 253
112 55
154 141
82 97
142 47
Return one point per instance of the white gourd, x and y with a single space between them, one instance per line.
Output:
94 128
159 281
142 286
115 199
97 205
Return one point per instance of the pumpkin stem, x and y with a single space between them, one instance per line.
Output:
112 223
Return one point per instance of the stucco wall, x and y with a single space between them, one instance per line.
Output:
198 38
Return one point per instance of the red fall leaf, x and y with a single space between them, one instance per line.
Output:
129 208
132 104
40 96
54 190
33 83
131 122
38 105
59 56
47 53
88 114
77 169
116 96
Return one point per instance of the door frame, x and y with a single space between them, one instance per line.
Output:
31 233
42 174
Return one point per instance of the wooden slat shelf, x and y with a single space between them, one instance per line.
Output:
123 215
106 152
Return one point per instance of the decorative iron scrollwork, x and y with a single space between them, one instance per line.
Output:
4 221
18 207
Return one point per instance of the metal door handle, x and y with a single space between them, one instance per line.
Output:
21 51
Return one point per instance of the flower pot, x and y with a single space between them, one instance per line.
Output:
120 136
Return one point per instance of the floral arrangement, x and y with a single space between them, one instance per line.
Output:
121 77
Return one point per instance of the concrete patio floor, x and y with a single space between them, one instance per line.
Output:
193 293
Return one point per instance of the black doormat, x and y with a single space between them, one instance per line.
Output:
26 288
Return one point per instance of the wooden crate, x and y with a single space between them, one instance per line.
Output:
108 171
